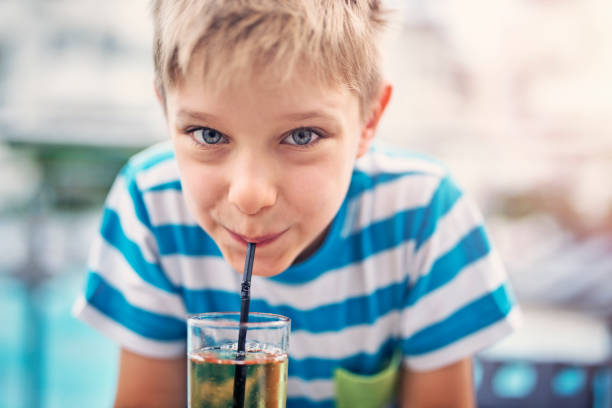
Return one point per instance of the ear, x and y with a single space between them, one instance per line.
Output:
376 110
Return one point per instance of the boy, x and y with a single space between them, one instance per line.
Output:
271 108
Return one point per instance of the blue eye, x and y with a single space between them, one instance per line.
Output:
207 136
301 137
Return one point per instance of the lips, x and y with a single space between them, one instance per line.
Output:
260 240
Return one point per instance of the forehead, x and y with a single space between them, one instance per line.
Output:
299 96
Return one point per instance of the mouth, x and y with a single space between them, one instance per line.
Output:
261 240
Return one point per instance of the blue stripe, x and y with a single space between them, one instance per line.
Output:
144 161
113 304
472 247
113 233
413 224
443 200
362 181
306 403
150 157
360 363
211 300
140 207
359 310
170 185
471 318
185 240
371 240
157 159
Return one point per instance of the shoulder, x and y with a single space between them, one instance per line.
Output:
405 196
148 187
385 175
392 161
152 168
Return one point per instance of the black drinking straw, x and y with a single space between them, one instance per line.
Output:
245 299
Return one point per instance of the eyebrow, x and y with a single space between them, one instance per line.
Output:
185 115
308 115
189 114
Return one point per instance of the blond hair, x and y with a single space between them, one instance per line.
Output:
336 40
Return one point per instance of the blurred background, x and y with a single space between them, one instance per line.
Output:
515 96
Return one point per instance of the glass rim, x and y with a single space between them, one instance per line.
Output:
198 320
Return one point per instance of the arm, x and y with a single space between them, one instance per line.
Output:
150 382
449 386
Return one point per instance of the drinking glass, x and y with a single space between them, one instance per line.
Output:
214 361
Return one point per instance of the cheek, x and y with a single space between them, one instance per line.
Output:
319 190
200 186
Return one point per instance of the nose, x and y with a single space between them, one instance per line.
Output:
252 186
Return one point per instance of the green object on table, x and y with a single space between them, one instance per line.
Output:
367 391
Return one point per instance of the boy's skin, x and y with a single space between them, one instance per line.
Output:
257 184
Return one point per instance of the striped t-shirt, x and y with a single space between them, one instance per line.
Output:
406 265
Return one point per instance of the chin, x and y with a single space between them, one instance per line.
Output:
267 270
266 273
258 269
264 264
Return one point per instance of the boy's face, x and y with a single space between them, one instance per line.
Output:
265 163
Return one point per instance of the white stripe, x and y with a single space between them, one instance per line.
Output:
168 207
387 199
467 346
451 229
120 201
125 337
202 272
474 281
164 172
367 338
314 390
112 266
359 279
379 162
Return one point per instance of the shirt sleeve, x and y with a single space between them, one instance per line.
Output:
459 300
127 295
